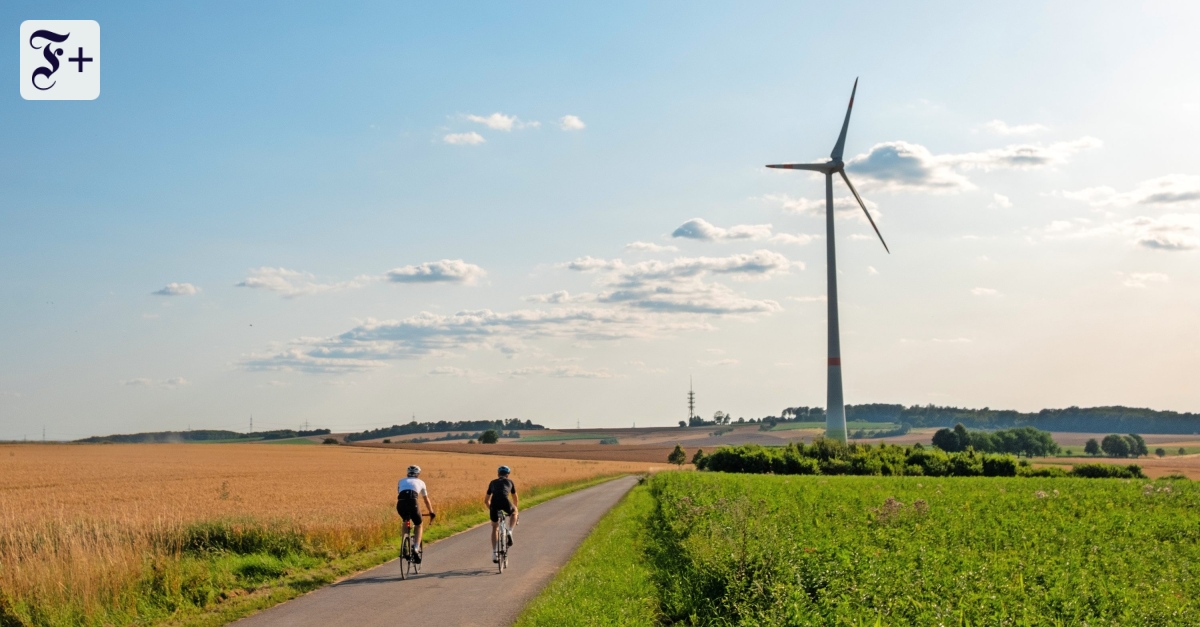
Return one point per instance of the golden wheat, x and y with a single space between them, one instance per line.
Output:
79 524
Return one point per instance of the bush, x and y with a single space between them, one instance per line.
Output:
609 441
1161 452
489 437
1108 471
329 441
387 440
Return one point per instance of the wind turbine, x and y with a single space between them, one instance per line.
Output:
835 408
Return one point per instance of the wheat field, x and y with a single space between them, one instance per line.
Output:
81 525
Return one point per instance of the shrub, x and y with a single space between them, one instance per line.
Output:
1108 471
609 441
387 440
1161 452
329 441
489 437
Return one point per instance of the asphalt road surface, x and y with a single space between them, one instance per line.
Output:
458 584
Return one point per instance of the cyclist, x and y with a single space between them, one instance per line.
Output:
501 497
406 503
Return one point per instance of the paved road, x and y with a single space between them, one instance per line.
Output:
458 584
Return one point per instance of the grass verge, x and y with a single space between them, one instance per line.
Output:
607 581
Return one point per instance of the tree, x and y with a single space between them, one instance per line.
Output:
683 423
719 418
696 459
952 440
1138 445
1114 445
677 456
489 437
1092 447
1182 451
1161 452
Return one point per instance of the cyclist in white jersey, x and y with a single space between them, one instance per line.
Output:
406 502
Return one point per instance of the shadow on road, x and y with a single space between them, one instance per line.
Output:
449 574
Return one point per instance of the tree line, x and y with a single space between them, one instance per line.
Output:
200 435
444 425
1114 419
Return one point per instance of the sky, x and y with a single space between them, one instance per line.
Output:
352 215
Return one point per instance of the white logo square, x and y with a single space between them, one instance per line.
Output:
60 60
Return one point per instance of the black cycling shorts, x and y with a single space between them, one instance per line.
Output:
496 508
409 511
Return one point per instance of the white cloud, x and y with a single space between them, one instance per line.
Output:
719 362
1170 232
646 300
8 394
560 297
872 271
999 127
1000 201
984 291
1172 189
463 139
292 283
794 238
905 166
444 271
571 123
450 371
177 289
500 122
809 299
1142 279
650 247
372 343
701 229
567 372
171 383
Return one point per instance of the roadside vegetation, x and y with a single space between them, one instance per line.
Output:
830 457
607 581
738 549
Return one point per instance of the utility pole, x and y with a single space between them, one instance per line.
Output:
691 401
43 434
251 423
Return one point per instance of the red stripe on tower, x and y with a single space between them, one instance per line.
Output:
835 361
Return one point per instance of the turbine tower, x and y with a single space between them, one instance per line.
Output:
835 408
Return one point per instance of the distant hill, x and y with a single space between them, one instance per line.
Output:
1114 419
512 424
200 435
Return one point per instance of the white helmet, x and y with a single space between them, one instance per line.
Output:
414 470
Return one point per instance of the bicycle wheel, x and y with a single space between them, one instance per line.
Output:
404 555
501 549
416 566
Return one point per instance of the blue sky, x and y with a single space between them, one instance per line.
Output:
329 189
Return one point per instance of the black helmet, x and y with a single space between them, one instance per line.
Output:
503 470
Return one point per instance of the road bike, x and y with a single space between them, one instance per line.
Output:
503 540
408 562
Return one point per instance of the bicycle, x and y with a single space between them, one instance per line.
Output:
502 541
409 565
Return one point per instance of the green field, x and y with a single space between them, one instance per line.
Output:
853 425
561 436
726 549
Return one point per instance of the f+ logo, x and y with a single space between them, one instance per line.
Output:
43 45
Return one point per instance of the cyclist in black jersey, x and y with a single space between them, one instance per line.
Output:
501 497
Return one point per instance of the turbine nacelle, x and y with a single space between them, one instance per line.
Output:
836 165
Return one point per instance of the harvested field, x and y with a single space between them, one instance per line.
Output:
1154 467
654 455
80 525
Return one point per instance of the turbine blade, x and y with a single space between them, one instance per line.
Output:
864 208
836 155
814 167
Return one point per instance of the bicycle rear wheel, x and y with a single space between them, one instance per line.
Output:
405 554
501 549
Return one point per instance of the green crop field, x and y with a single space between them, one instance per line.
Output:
852 425
728 549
